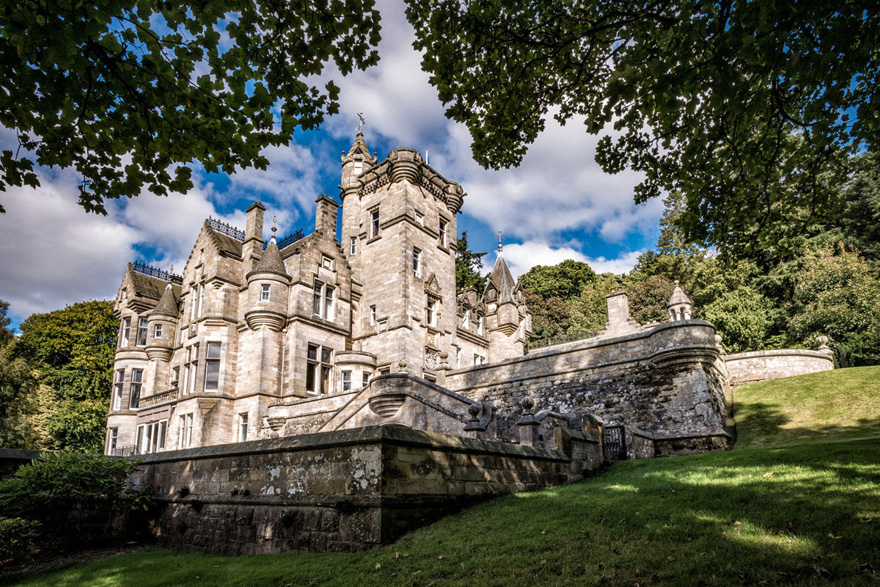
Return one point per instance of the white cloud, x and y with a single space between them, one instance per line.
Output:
522 257
53 254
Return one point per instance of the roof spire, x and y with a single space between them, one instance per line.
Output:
500 244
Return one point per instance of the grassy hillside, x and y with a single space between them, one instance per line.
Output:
834 405
806 514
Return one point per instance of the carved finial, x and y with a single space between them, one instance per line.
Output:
171 269
274 228
361 123
500 245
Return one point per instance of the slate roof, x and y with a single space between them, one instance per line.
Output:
271 261
167 305
678 297
503 280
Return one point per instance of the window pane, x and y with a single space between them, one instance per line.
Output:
212 374
313 352
316 302
137 375
325 379
310 376
142 332
325 355
213 350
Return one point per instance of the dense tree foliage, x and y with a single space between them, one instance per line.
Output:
749 109
55 380
128 92
467 267
565 280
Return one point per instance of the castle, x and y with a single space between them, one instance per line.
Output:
206 358
315 394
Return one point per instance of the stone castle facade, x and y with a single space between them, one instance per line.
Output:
255 336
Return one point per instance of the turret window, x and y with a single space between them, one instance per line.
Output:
142 332
358 167
354 245
157 331
264 292
346 381
212 367
442 233
117 389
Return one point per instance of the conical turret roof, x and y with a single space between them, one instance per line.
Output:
678 297
359 147
271 261
167 305
502 279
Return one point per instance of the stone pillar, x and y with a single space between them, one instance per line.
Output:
528 424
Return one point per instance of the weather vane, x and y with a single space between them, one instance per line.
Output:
361 123
274 228
500 246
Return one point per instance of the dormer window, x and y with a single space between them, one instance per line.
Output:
465 320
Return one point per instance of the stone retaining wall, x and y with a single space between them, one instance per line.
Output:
745 368
343 490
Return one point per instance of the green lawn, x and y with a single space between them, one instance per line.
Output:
804 513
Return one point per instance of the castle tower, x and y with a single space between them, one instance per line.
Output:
508 321
680 307
399 234
267 297
161 329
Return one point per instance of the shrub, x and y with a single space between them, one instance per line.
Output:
77 496
18 538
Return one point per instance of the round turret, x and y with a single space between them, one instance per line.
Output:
161 326
680 307
268 287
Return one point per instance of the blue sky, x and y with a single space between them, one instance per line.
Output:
557 205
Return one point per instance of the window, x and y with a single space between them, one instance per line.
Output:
117 389
137 378
185 432
372 315
420 218
479 325
190 368
358 167
151 437
374 222
242 427
466 320
194 303
201 299
431 312
346 381
112 440
417 262
318 369
142 332
322 301
175 377
367 376
479 359
264 292
327 262
354 245
157 331
125 334
442 233
212 367
382 325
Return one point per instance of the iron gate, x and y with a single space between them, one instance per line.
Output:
615 445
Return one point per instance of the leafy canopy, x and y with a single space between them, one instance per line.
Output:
129 92
747 108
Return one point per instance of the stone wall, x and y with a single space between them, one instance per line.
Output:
745 368
663 380
344 490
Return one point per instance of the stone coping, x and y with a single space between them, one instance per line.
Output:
587 343
780 353
388 434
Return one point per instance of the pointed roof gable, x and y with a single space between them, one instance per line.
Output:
502 280
360 148
167 305
679 297
271 261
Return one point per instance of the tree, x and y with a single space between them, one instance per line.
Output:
467 267
128 92
564 280
72 350
748 109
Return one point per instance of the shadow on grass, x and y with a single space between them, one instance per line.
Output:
761 424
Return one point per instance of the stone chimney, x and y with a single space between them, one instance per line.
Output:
619 320
325 215
252 248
